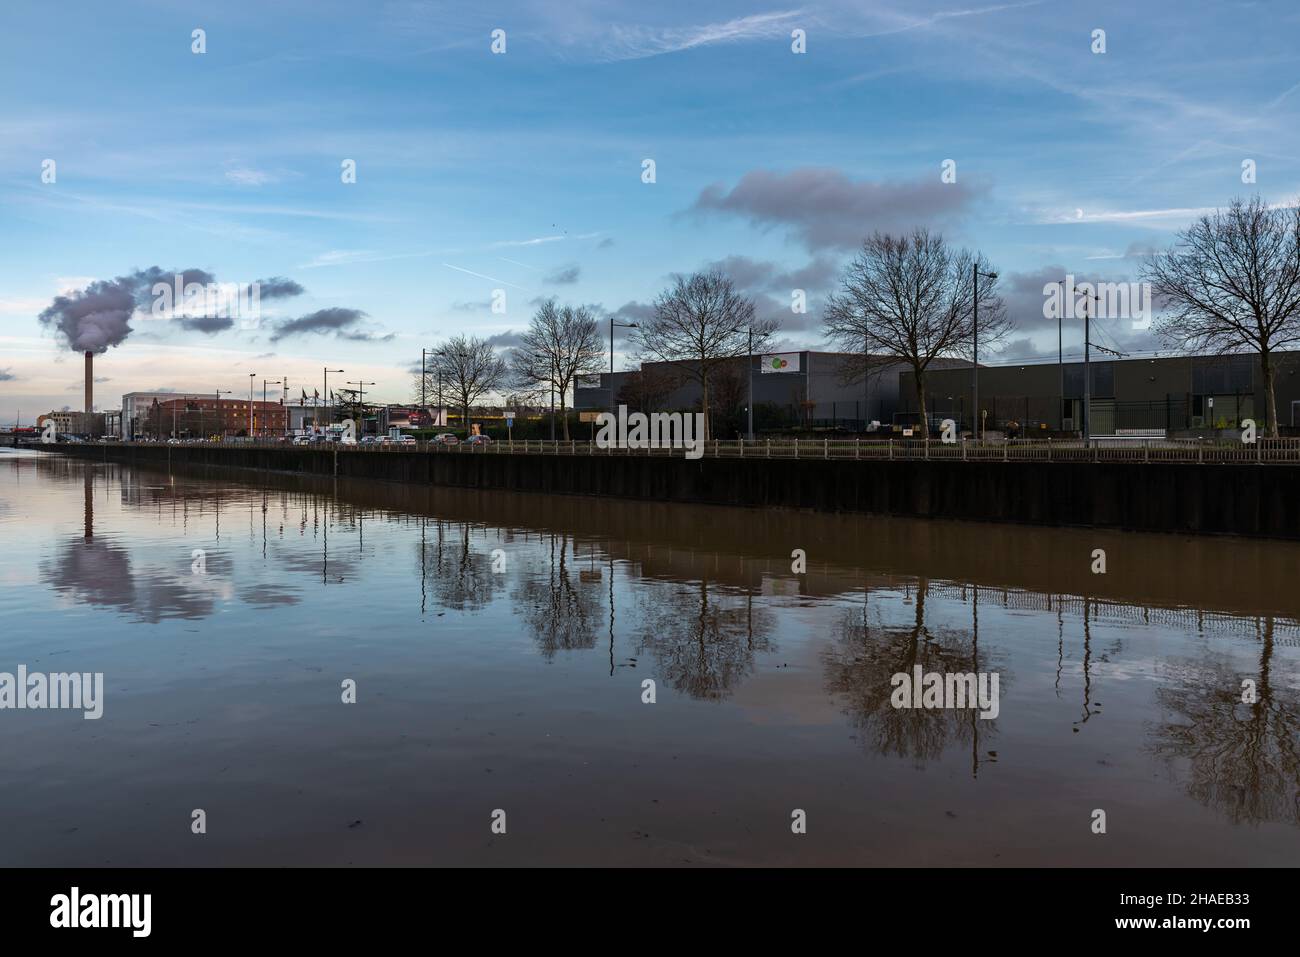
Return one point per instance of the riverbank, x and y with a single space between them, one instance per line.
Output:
1209 499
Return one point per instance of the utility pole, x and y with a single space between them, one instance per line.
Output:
251 376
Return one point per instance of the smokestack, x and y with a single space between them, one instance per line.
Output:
90 383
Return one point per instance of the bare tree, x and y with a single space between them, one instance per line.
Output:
470 369
700 322
1232 282
561 344
910 299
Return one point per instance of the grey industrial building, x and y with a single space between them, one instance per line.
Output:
827 390
1169 395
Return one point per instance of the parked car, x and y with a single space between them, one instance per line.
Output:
408 440
479 440
302 440
446 438
372 440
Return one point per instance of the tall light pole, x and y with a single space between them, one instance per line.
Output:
749 371
1060 352
326 394
1087 380
251 377
273 382
621 325
975 352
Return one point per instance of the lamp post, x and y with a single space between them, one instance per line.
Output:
1060 352
326 394
1087 382
251 377
273 382
975 351
621 325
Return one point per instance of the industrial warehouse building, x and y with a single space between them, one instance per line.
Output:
791 389
1170 395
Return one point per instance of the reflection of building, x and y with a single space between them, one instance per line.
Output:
1160 396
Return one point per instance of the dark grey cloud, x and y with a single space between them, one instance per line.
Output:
634 311
756 275
208 325
335 319
505 340
824 209
605 243
277 287
7 376
563 276
97 317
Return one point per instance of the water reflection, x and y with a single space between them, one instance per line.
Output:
704 602
868 653
1242 758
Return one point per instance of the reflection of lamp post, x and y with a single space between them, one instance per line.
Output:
975 351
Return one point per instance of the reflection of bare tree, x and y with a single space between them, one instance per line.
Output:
704 646
1243 759
460 577
562 614
866 656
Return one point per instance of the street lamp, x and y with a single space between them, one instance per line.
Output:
1087 381
251 377
621 325
749 371
975 353
325 395
273 382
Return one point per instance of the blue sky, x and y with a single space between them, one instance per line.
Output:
522 171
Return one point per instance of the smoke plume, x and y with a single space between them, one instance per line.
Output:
97 317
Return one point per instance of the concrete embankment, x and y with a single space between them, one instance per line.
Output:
1241 499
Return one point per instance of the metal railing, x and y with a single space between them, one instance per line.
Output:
1137 451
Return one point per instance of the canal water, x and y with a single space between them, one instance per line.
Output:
499 645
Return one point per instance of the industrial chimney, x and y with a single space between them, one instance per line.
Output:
90 384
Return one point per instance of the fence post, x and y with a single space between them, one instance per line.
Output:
1146 450
857 448
796 448
769 448
963 448
826 448
891 449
